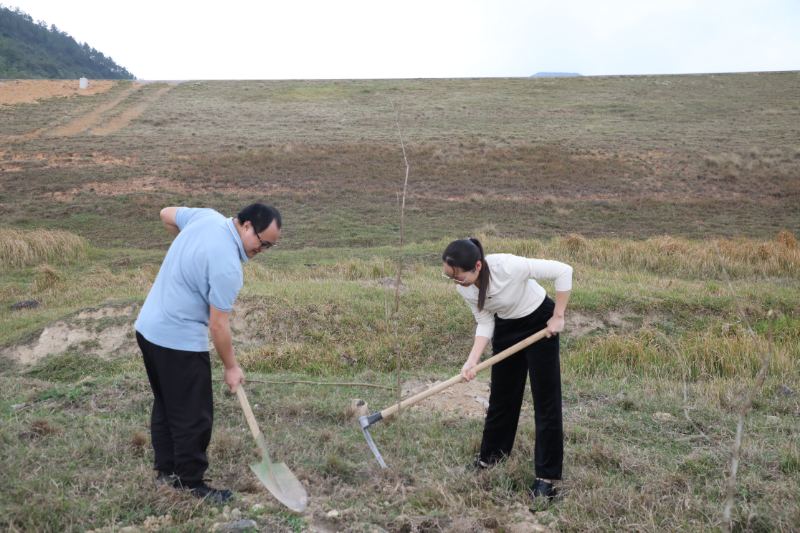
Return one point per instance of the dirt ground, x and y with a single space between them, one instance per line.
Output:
29 91
465 400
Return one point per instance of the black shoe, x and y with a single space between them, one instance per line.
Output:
163 478
542 489
477 465
204 492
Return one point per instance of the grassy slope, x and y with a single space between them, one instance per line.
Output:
693 156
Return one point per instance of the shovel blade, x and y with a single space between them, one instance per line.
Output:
286 488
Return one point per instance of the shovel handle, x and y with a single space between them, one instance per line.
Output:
458 379
248 413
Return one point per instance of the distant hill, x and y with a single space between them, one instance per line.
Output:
30 49
554 74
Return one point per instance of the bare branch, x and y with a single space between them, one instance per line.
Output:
685 371
397 291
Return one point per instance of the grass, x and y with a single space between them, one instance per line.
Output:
630 179
22 249
623 465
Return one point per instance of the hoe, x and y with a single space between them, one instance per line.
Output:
367 420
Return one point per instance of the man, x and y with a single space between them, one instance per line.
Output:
196 287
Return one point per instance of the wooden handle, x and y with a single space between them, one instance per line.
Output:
248 413
458 379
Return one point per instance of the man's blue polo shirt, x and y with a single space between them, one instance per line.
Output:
203 267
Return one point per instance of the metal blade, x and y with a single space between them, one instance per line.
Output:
373 447
279 480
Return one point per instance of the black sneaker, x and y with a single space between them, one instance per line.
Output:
163 478
204 492
542 489
477 465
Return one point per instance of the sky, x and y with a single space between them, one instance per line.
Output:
323 39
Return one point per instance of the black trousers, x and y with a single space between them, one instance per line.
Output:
183 409
540 360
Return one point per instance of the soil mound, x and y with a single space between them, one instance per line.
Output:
106 331
465 400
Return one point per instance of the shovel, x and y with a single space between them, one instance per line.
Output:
367 420
277 477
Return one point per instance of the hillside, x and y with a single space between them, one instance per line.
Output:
30 49
645 185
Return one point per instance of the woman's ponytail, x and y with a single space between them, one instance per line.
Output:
483 275
465 254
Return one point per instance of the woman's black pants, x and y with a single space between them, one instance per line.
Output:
183 409
540 360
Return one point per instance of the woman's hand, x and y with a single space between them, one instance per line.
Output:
555 325
467 372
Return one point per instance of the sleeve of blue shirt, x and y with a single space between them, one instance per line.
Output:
186 215
223 289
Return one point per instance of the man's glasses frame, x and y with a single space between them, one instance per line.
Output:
265 245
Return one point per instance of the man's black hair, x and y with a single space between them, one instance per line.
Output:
260 216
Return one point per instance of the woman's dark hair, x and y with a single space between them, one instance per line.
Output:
465 254
260 216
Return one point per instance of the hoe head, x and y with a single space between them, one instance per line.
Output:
279 480
365 422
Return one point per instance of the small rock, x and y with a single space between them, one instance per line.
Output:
786 390
18 406
236 514
486 404
357 408
771 418
122 262
257 509
226 509
621 395
238 526
25 304
213 511
663 416
333 514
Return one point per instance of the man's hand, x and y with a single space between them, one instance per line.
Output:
234 377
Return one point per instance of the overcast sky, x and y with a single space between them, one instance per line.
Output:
312 39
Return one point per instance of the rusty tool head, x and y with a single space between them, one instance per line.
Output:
365 422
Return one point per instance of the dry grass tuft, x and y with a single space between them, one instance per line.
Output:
138 440
19 249
46 278
786 238
682 257
39 428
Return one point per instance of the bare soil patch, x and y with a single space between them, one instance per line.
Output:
106 331
30 91
465 400
18 162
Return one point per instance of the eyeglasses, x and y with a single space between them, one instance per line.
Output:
265 245
457 280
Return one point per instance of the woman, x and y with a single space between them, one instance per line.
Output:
510 306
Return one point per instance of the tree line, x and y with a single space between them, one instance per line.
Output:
31 50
